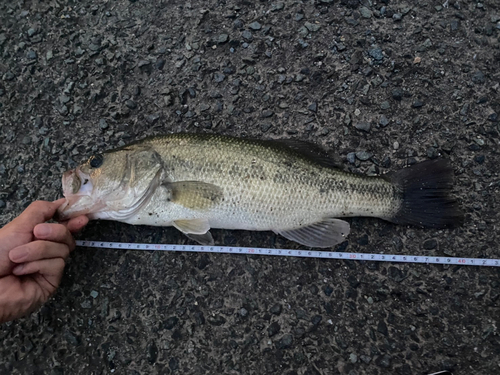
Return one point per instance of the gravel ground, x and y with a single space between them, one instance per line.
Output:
382 83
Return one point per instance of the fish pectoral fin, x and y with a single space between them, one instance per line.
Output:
205 239
326 233
194 194
193 226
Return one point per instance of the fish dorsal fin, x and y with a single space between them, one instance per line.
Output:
326 233
311 151
194 194
192 226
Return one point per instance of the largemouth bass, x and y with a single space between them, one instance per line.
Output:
195 182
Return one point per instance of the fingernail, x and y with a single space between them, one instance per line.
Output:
18 255
42 230
18 269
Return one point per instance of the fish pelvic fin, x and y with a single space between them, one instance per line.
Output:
326 233
425 195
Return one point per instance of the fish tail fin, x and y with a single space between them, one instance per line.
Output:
425 190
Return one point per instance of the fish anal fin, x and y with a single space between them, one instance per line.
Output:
326 233
194 194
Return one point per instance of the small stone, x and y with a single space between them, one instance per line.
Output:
26 140
255 25
31 55
363 126
417 104
384 361
365 358
276 309
79 52
222 38
432 152
267 113
238 23
243 312
277 6
143 63
71 338
313 107
353 358
273 329
298 17
365 12
493 117
94 294
427 43
397 93
363 155
171 322
87 304
385 105
313 27
246 34
2 204
376 53
77 110
430 244
152 352
131 104
382 328
351 157
219 77
31 32
397 17
9 76
285 342
103 124
160 63
478 77
152 119
265 127
384 121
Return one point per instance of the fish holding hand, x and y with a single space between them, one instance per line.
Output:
195 182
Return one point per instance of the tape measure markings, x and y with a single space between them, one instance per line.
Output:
295 253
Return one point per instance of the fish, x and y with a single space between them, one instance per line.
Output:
195 182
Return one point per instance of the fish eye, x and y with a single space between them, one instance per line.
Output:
96 161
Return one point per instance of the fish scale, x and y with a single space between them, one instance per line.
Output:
256 198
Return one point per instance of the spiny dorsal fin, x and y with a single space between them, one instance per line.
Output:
310 151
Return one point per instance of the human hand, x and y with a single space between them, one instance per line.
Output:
32 258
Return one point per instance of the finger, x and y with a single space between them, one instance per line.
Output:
76 224
54 233
38 250
38 212
50 269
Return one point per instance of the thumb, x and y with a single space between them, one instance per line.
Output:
38 212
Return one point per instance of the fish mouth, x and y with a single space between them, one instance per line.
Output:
77 189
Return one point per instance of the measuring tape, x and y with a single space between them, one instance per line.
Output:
295 253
